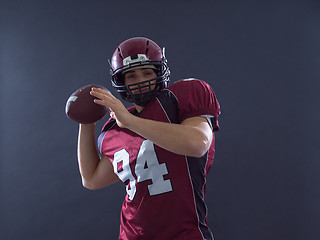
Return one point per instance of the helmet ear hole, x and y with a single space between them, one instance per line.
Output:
120 78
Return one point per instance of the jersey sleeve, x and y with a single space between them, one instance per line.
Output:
196 98
105 128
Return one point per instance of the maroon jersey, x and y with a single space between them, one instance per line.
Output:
165 191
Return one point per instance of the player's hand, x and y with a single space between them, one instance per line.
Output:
117 110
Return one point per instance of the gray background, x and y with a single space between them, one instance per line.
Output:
261 58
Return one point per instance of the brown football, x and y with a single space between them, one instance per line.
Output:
81 108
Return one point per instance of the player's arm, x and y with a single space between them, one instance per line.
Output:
192 137
95 172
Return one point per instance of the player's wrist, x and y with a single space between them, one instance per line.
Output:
132 122
87 126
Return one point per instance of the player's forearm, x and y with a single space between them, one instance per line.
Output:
88 156
176 138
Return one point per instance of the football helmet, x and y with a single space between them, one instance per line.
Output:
133 53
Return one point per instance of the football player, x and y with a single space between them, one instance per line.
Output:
161 148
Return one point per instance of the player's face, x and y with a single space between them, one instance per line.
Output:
139 75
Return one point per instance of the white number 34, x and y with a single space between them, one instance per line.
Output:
147 167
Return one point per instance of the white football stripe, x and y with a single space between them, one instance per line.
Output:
72 98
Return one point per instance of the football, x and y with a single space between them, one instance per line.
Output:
80 106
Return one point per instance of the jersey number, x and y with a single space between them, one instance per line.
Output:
147 168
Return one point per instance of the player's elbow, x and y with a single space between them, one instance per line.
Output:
199 139
199 151
89 185
200 147
95 184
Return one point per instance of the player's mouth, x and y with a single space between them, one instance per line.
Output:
141 90
144 90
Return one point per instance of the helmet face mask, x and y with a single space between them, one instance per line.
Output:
139 53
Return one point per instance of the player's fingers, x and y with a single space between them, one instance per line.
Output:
102 91
101 102
104 100
100 95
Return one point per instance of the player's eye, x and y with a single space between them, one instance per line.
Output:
149 72
130 76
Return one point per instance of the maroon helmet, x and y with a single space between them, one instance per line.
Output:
138 52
